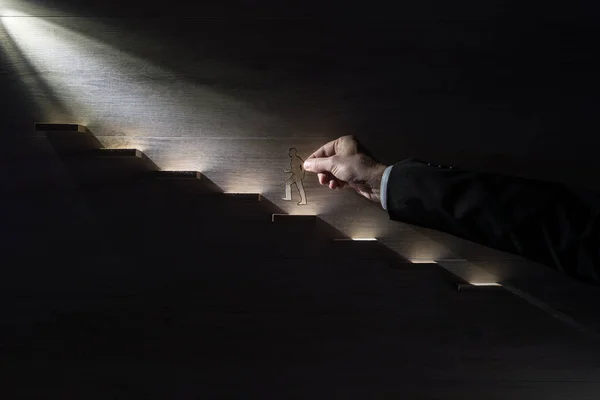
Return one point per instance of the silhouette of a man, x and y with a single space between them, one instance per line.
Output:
297 171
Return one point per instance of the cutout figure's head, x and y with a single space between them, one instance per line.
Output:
292 152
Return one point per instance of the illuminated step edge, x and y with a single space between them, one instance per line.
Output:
482 286
177 175
118 153
47 127
293 219
244 196
196 175
356 239
470 276
422 261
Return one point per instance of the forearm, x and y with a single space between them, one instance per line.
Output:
546 222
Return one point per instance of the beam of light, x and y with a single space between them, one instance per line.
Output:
5 13
422 261
17 8
128 102
104 84
45 105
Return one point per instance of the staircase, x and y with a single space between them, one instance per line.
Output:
175 289
147 211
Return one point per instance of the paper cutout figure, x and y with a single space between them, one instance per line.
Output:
297 171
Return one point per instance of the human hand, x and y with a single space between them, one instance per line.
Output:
345 162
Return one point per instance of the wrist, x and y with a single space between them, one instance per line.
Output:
375 181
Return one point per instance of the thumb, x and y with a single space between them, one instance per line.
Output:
318 165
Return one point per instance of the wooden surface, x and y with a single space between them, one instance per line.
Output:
218 89
227 89
476 85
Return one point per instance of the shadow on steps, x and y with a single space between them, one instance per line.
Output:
147 211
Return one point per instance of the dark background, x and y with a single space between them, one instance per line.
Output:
499 86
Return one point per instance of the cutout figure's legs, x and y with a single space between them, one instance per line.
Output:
300 187
288 189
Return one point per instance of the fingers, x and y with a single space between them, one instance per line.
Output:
323 161
319 165
344 144
326 150
324 178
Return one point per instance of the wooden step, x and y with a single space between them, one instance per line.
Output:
309 223
53 127
364 248
106 166
177 192
147 218
189 181
294 220
157 202
177 175
68 138
292 239
185 237
197 186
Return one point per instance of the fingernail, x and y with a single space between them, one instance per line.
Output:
307 164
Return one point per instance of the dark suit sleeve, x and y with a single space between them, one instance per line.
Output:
546 222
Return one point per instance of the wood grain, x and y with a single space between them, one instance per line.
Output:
229 98
218 89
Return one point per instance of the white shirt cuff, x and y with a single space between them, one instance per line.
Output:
383 187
